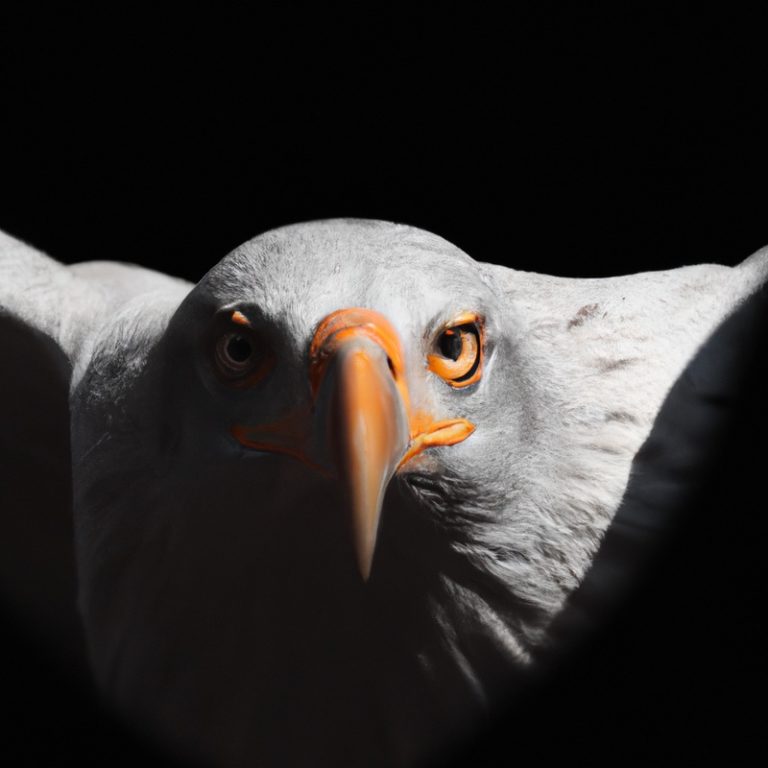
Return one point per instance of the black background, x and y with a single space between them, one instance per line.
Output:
595 140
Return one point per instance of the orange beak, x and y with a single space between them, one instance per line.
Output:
363 407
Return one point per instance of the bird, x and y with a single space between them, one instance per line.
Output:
328 502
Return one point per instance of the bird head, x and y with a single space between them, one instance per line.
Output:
320 444
365 353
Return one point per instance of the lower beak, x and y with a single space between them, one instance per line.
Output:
368 432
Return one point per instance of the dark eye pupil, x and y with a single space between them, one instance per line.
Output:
450 345
239 349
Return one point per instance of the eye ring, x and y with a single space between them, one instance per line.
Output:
234 353
240 357
458 352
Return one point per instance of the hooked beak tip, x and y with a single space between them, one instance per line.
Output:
369 436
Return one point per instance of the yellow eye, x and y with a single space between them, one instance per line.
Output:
458 354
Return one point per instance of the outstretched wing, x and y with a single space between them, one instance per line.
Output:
606 355
49 314
702 426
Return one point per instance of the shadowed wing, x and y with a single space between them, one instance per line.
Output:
49 315
637 373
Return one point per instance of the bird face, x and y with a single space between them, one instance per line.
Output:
379 367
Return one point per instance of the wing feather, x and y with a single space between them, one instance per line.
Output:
49 314
623 369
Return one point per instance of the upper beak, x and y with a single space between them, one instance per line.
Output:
367 428
362 410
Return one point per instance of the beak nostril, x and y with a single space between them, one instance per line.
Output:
391 367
